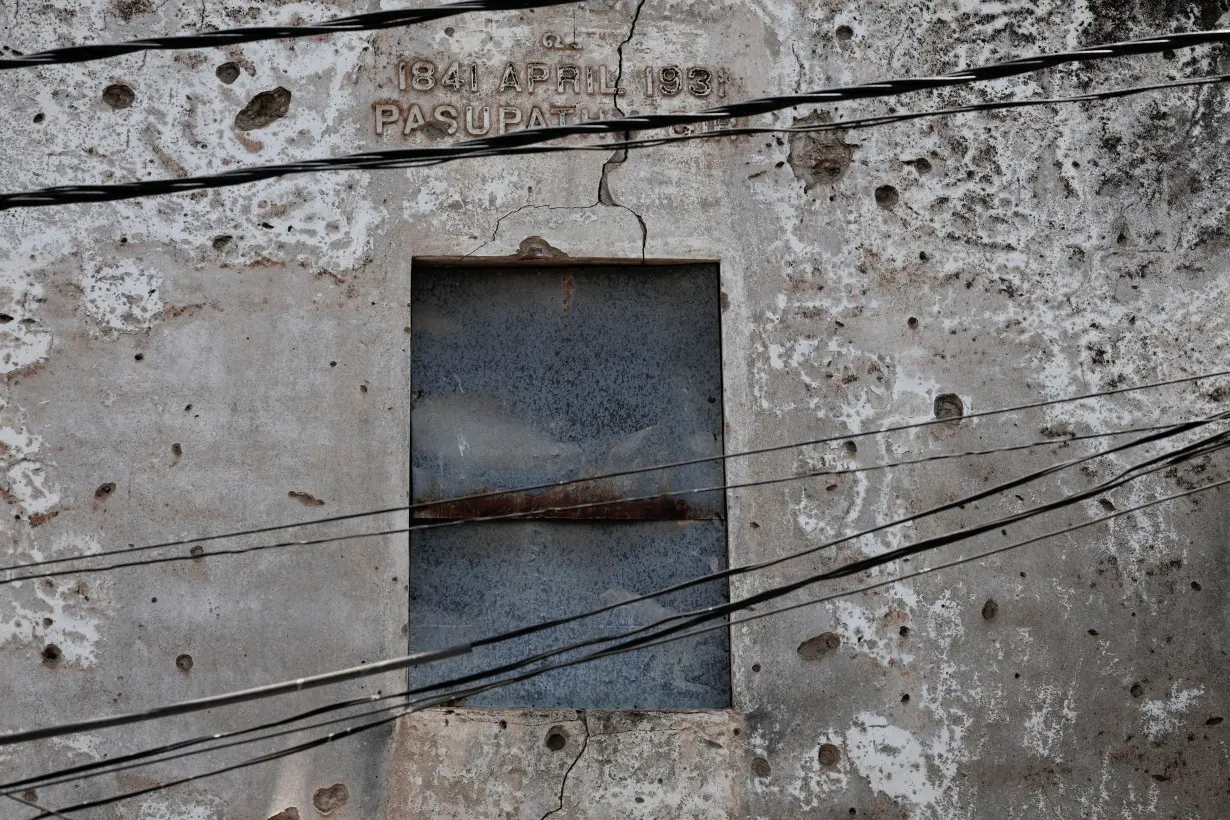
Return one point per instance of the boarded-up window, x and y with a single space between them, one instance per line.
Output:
530 375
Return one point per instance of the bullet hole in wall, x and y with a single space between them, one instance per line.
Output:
948 406
818 157
5 318
829 754
1106 504
222 240
813 649
755 667
761 767
850 449
39 117
1196 586
911 323
140 357
227 72
990 609
845 33
1137 690
119 96
557 738
197 552
330 799
51 654
104 490
922 165
265 108
1213 721
887 196
177 450
905 698
183 662
904 631
306 499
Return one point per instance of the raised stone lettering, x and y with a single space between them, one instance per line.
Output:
468 85
510 81
537 118
386 114
471 128
568 74
536 74
508 116
414 119
446 114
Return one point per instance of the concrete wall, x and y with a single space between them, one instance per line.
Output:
235 358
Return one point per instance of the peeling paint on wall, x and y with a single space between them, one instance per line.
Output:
23 481
121 297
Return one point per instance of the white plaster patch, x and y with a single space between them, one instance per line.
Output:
810 518
1160 716
81 744
167 806
892 760
122 297
1045 725
60 615
867 631
23 342
23 482
810 784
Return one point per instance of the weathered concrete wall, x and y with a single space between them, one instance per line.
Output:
225 359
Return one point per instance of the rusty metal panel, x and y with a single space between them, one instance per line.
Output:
472 581
525 376
532 375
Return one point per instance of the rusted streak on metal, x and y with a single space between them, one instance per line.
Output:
589 504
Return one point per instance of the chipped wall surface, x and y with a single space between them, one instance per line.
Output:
234 358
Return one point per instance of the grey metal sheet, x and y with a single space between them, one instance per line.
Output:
527 376
533 375
468 582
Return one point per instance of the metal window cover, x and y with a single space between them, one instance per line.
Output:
529 375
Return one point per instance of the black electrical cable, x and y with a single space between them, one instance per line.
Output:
32 805
538 512
134 760
214 39
283 687
357 701
568 482
1209 444
856 124
425 703
379 667
66 194
369 699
